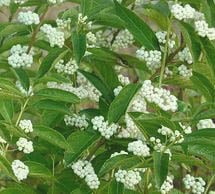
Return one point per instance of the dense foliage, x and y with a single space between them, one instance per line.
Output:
109 97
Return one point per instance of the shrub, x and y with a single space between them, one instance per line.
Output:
110 97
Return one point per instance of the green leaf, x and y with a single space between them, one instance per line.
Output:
76 148
99 84
51 105
6 109
121 161
192 39
149 123
120 104
208 7
203 85
116 188
79 45
141 31
201 143
175 191
38 170
11 29
6 167
160 163
93 7
58 95
50 59
209 51
22 76
50 135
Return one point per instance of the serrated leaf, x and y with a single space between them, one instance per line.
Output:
120 104
120 161
203 85
76 148
58 95
38 170
50 135
99 84
6 109
141 31
51 105
22 76
79 45
209 51
160 163
49 60
192 39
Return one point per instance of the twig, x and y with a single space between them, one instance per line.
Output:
33 38
97 146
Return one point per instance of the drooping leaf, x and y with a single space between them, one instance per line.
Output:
76 148
6 109
22 76
79 45
161 162
203 85
122 161
192 40
120 104
141 31
50 135
38 170
49 60
58 95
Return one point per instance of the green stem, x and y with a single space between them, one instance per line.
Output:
22 111
209 184
166 49
53 173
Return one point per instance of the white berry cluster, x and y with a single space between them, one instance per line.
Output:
184 71
79 121
165 131
205 123
23 90
28 18
189 13
124 80
63 24
158 146
55 36
24 145
161 36
131 130
129 178
69 68
122 152
84 169
139 148
167 186
91 40
107 130
123 40
117 90
203 29
4 3
152 57
20 170
82 22
168 72
19 57
56 1
85 90
195 184
159 96
26 126
185 56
